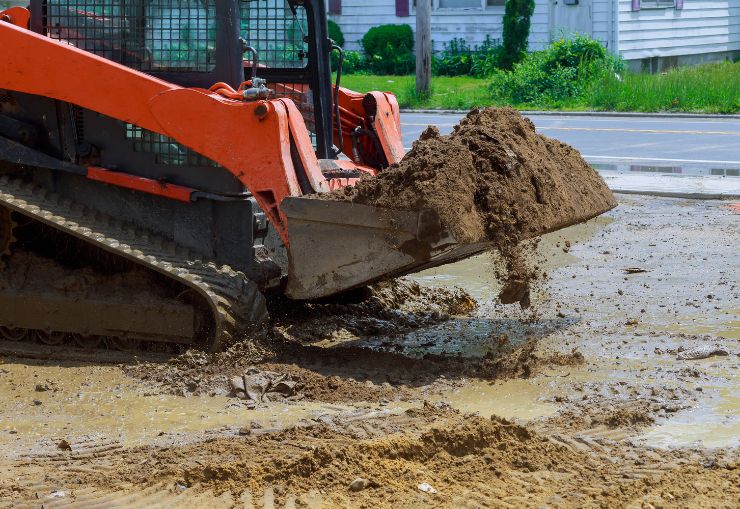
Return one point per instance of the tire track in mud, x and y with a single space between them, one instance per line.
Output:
468 459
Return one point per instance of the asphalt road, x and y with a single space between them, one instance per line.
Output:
657 145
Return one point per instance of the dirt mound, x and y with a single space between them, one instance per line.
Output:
494 179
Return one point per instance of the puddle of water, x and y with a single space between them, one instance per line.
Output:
714 422
475 274
511 399
100 402
708 324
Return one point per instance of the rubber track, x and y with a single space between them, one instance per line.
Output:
236 303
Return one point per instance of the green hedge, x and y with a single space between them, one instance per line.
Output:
389 49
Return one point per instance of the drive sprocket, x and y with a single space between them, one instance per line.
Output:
6 234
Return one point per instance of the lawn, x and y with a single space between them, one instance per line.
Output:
448 93
710 88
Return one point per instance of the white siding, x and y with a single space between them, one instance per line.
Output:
358 16
605 23
701 27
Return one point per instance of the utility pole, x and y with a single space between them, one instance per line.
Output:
423 46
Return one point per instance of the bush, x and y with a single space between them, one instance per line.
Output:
458 59
335 33
574 51
353 62
561 73
455 59
389 49
517 20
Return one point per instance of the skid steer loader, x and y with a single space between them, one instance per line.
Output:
155 158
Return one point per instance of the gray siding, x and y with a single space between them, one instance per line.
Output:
358 16
702 27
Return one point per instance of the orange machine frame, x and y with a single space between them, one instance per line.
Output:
249 139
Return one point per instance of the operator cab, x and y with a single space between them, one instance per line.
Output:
197 43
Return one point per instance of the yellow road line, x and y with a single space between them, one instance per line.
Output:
610 129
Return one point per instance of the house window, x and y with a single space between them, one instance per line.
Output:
467 4
657 4
459 4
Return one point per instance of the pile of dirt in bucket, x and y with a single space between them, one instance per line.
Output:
494 179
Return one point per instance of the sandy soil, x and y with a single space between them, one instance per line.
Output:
406 400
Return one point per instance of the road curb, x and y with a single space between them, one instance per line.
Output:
670 194
591 114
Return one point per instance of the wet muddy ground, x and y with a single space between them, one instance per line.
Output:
597 396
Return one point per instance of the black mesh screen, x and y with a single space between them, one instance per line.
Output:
166 150
148 35
276 32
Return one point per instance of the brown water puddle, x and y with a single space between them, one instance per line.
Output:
512 399
99 404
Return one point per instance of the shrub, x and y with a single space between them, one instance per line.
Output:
561 73
389 49
458 59
517 19
573 51
455 59
353 62
335 33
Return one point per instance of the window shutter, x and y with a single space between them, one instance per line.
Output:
635 5
335 6
679 4
402 8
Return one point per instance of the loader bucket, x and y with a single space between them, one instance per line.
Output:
337 246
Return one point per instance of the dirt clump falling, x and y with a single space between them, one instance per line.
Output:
494 179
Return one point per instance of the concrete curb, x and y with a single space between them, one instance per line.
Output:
688 196
714 116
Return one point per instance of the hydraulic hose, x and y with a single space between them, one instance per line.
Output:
338 119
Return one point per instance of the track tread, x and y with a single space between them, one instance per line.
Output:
236 302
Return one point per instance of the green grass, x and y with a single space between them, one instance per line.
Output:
710 88
448 93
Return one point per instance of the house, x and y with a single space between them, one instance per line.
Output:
649 34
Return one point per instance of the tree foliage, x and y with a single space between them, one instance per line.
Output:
517 21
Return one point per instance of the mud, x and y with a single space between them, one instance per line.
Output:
468 461
494 179
599 410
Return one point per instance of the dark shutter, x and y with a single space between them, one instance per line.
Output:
335 6
402 8
635 5
679 4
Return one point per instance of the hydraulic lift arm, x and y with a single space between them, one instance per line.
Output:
251 139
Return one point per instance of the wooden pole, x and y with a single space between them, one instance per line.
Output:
423 46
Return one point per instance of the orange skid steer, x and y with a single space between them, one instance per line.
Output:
155 162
